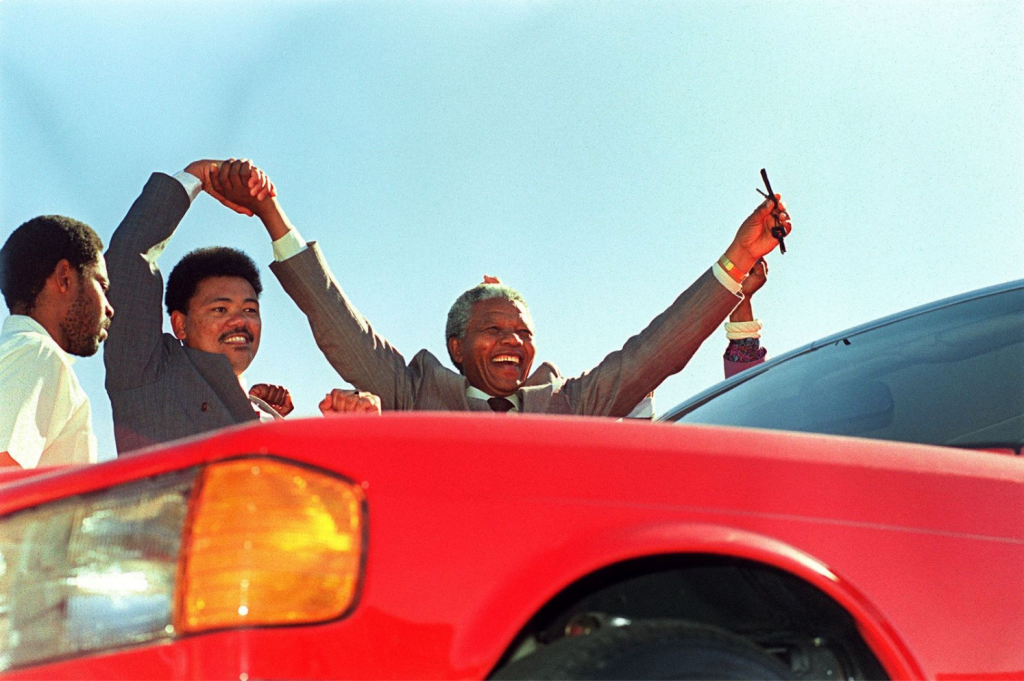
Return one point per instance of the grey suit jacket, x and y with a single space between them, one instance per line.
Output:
159 390
366 360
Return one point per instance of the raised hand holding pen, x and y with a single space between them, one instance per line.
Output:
754 239
777 231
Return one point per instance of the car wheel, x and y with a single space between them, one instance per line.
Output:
649 650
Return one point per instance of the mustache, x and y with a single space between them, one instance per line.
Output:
237 332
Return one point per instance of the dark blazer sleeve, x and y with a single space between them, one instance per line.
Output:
357 352
624 377
133 352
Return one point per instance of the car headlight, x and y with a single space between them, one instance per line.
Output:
245 542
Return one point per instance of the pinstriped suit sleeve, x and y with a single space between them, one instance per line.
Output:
133 350
624 377
357 352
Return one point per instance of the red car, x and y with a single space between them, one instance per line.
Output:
437 546
467 546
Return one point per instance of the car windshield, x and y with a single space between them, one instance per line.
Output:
949 376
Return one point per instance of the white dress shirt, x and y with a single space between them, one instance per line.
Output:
45 416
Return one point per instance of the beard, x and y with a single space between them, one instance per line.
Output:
82 326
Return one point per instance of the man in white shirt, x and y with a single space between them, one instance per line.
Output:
54 281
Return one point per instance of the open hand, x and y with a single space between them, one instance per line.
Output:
276 396
339 401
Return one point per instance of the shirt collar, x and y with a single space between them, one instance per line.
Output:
20 323
476 393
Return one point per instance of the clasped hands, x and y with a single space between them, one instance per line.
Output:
236 183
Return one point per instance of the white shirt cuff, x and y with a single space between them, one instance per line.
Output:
291 244
726 280
192 184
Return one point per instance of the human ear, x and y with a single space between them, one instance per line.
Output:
63 274
455 350
178 325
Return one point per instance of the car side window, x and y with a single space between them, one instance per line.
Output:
950 376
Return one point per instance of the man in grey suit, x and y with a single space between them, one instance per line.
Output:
161 386
490 332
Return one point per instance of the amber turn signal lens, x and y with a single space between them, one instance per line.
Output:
270 543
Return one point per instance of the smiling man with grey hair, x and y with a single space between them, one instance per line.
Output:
489 336
491 344
462 308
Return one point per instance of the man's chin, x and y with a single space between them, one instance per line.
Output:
86 349
240 362
504 388
86 352
510 378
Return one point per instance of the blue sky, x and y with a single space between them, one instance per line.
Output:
596 155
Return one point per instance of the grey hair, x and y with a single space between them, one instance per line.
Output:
462 308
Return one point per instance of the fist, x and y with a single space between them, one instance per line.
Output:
276 396
756 278
339 401
755 234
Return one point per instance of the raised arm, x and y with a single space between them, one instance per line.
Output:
625 376
359 355
132 352
742 330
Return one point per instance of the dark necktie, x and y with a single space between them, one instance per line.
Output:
500 404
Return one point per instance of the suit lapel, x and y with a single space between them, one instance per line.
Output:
457 395
217 371
535 399
538 388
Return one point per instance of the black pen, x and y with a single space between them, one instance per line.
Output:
778 231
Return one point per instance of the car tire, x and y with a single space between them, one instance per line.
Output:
649 650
